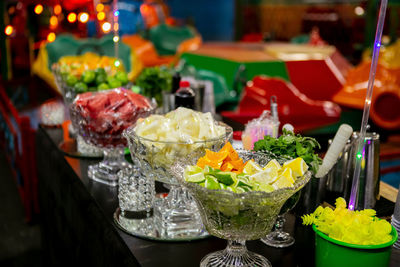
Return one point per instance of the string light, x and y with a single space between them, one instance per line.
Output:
101 16
38 9
99 7
57 9
53 21
71 17
51 37
8 30
116 26
115 39
106 27
83 17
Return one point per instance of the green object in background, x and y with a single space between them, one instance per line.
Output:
333 253
166 39
225 71
88 76
103 86
153 81
80 87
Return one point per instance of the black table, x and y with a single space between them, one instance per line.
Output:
78 228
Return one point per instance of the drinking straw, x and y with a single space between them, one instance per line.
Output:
116 28
367 104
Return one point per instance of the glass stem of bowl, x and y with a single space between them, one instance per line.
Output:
113 155
280 221
236 247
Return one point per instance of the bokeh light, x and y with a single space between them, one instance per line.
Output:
8 30
71 17
38 9
99 7
101 16
53 21
106 27
83 17
51 37
57 9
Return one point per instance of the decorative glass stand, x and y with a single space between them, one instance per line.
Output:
135 214
176 217
238 217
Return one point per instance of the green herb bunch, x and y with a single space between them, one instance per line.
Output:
293 146
153 81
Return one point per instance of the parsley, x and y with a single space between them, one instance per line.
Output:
293 146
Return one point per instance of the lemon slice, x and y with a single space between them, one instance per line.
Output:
267 176
285 179
273 164
251 167
297 165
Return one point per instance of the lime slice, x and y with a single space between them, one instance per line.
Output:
251 167
193 169
222 186
211 182
244 183
239 190
226 178
298 166
210 170
230 188
195 178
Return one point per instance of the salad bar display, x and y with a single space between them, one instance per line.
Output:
100 118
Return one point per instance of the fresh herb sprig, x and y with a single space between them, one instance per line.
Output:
293 146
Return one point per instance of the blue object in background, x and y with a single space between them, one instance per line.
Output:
392 178
213 19
130 19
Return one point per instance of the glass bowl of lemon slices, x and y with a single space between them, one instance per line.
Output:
239 202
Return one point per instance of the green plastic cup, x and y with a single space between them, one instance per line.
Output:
333 253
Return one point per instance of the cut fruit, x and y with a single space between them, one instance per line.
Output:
267 176
202 162
284 180
297 165
251 167
244 182
226 178
195 178
266 188
216 156
239 190
211 182
273 164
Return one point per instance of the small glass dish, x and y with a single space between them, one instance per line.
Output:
177 214
237 217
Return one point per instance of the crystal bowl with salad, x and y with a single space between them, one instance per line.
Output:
239 194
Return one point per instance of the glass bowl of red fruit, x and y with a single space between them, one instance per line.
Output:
100 118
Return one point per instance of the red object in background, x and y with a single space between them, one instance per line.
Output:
319 79
18 140
293 106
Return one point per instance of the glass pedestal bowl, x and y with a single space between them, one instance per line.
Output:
176 216
105 132
238 217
